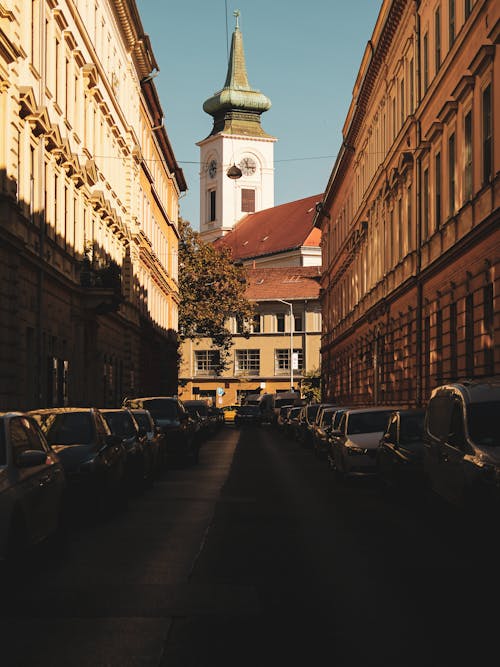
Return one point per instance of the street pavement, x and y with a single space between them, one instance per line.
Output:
257 556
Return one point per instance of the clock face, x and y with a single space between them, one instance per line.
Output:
212 168
248 166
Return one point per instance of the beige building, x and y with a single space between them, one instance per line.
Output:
410 216
89 190
286 327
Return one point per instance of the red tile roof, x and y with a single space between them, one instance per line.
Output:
284 282
274 230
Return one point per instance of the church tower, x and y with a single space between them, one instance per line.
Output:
238 144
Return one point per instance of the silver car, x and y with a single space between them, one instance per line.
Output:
353 446
32 484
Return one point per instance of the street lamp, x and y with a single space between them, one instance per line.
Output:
287 303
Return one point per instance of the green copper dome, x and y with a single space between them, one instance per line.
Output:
236 109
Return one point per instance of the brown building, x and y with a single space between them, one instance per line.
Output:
410 218
89 190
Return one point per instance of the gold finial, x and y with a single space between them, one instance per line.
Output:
237 16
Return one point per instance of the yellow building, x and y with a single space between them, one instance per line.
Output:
283 346
89 190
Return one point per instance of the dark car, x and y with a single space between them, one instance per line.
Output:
321 430
139 464
462 445
201 411
179 428
32 485
248 415
305 431
292 425
154 436
401 449
93 458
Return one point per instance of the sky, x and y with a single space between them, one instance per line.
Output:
304 56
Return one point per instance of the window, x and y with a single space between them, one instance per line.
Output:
425 204
282 361
468 156
437 38
487 135
489 329
468 8
451 22
439 346
453 340
437 184
412 97
469 335
206 362
212 206
255 324
451 174
247 362
280 322
247 200
425 59
402 101
297 322
409 218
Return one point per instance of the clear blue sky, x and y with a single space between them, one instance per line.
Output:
304 56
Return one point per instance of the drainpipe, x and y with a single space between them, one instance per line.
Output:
418 222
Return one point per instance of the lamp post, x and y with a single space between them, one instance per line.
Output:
287 303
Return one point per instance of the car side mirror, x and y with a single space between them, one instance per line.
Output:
31 458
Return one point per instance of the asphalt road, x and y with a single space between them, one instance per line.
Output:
257 556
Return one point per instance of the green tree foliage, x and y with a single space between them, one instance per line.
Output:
212 289
311 386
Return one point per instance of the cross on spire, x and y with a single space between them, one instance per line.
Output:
237 16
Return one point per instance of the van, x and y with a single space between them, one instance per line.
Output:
462 443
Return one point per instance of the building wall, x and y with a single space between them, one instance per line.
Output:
85 289
411 238
268 377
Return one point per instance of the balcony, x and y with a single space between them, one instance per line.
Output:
102 286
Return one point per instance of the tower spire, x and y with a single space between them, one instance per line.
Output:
236 109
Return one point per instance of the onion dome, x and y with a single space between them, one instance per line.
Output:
236 109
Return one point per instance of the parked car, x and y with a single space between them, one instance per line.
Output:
292 424
93 458
282 416
32 485
353 446
321 429
200 410
305 430
139 462
462 443
174 420
229 412
154 435
248 415
305 433
401 449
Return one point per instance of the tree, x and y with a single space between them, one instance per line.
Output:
311 386
212 289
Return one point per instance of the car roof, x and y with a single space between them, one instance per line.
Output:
61 410
474 391
375 408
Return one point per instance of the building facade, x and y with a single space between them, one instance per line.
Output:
89 190
410 217
282 348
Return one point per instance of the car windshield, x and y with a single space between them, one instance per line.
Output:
248 410
367 422
411 428
312 411
142 419
200 408
483 423
337 418
161 409
326 418
120 423
66 428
